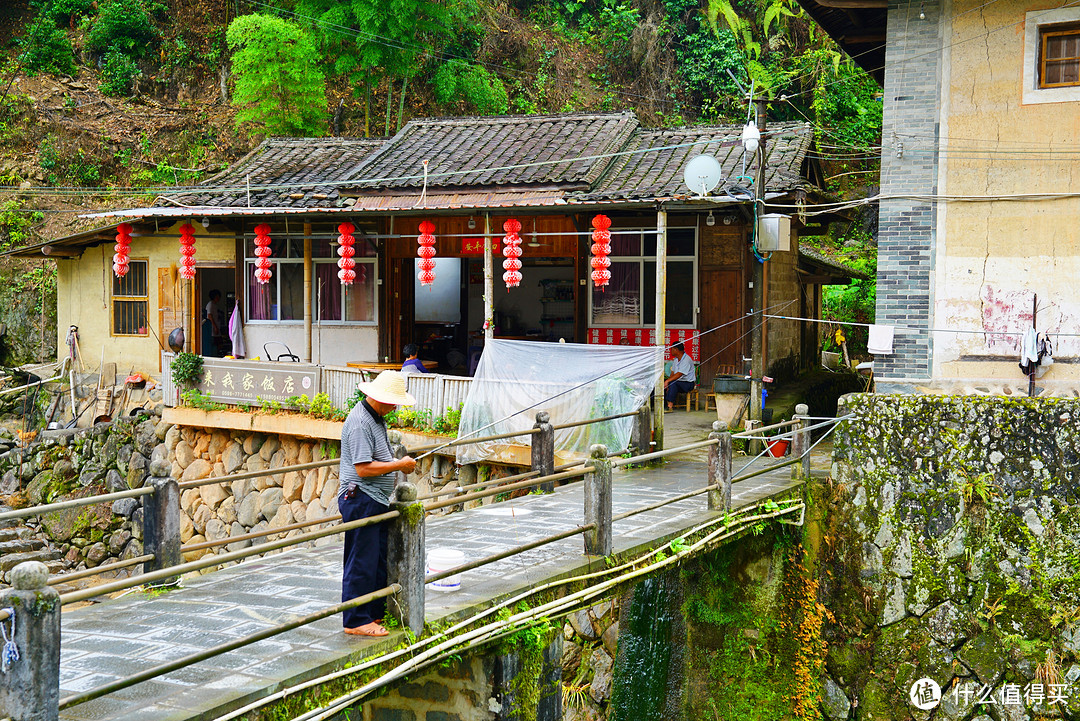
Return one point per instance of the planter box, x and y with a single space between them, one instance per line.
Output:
284 424
508 455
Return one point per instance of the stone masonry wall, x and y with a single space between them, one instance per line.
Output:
956 545
906 236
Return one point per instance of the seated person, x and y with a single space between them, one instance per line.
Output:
682 378
412 364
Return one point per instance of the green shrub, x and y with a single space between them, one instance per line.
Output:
481 89
47 49
62 12
119 73
123 25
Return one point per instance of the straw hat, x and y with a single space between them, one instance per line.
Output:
388 387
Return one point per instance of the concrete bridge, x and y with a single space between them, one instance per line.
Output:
263 634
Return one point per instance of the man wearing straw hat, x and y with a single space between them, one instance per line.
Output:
367 480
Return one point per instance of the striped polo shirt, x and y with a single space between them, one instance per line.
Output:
363 439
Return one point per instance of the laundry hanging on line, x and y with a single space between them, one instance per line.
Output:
880 340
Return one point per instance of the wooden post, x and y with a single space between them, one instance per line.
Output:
800 446
720 469
30 686
307 292
161 519
543 450
598 540
757 319
661 322
489 283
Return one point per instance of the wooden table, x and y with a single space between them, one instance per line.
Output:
377 367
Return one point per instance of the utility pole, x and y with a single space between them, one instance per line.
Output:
757 316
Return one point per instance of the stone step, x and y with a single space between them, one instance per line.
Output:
13 534
10 560
21 545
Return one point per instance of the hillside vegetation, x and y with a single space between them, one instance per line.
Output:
102 97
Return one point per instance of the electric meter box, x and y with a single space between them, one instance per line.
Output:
774 233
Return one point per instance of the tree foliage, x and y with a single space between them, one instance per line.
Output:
279 85
123 25
474 84
46 48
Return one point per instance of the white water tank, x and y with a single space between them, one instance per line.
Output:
774 232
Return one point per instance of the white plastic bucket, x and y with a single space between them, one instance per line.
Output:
443 559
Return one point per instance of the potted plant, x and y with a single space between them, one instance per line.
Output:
187 371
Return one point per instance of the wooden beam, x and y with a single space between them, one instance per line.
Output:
824 280
863 39
59 251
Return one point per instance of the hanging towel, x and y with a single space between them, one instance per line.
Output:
880 341
1029 351
1046 354
236 333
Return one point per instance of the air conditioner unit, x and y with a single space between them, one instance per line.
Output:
774 233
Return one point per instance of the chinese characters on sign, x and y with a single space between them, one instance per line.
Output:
252 384
925 694
475 246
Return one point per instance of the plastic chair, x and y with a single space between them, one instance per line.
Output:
288 355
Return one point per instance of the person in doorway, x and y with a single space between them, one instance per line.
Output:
367 479
412 363
681 379
217 320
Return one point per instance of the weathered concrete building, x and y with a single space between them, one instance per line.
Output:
980 199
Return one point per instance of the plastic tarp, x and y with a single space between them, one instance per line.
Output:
572 382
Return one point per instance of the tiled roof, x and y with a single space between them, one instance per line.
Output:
453 145
305 165
647 173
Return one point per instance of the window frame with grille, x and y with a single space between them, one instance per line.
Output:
129 297
1038 25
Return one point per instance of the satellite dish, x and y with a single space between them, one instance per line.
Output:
702 174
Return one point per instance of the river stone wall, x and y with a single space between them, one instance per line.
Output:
59 465
957 556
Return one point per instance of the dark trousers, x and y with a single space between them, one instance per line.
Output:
676 388
364 564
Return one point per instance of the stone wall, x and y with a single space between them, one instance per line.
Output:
590 645
955 555
106 458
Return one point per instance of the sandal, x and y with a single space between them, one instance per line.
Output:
368 629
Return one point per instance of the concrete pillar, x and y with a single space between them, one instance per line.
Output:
660 321
161 519
641 433
598 502
406 559
543 450
30 690
720 469
800 446
398 449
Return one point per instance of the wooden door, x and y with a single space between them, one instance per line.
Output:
721 305
400 306
170 305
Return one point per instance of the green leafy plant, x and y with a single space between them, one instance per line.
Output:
46 49
125 26
119 73
192 397
279 85
473 84
187 370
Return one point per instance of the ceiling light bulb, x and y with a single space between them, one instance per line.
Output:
472 223
710 220
728 220
750 137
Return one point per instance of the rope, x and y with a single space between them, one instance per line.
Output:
10 653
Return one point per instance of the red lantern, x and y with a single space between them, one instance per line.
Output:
345 252
123 243
426 252
512 251
600 250
262 253
187 251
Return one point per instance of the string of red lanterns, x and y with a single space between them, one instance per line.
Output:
601 248
512 252
426 251
122 247
187 251
263 253
345 252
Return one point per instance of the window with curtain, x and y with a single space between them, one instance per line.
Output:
1059 61
630 297
282 299
130 299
